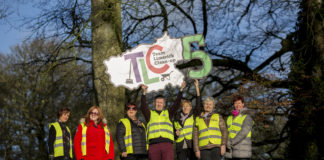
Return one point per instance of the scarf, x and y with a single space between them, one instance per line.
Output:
205 116
235 113
183 117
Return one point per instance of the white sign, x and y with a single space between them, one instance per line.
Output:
154 64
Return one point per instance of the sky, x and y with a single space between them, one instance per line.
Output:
10 37
12 32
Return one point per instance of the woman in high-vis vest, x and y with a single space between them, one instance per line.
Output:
93 140
60 139
239 126
210 133
183 125
131 135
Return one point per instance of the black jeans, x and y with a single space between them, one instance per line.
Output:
135 157
186 154
210 154
62 158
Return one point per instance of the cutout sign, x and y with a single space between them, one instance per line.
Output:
154 64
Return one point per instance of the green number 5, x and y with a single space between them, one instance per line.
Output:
197 54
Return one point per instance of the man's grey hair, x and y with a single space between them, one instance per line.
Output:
211 99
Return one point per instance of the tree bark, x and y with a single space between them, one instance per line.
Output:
307 89
106 42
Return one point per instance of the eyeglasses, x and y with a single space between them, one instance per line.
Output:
129 108
94 113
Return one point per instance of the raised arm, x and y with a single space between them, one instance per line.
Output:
144 108
197 87
177 103
198 108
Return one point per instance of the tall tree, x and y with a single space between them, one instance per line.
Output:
106 42
307 75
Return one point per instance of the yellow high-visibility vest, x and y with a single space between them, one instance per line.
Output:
235 126
84 139
210 134
58 143
160 126
128 135
186 130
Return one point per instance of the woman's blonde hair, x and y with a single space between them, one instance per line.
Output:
183 102
87 116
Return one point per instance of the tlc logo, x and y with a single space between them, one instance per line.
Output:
187 55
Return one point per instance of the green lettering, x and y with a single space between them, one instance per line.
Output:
145 75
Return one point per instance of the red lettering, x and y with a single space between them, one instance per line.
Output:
148 62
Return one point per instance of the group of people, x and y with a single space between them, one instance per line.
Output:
92 140
199 133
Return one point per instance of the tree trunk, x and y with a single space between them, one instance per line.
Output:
106 42
305 126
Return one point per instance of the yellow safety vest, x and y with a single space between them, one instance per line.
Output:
235 126
58 143
186 130
84 139
128 135
210 134
160 126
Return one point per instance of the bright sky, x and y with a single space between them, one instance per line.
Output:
11 30
10 37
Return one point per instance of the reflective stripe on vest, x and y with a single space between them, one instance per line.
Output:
235 126
128 135
84 139
58 143
160 126
186 130
210 134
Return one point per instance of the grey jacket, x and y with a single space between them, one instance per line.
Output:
241 146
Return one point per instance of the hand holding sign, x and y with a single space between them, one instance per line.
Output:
183 85
144 87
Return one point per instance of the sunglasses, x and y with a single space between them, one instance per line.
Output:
133 108
94 113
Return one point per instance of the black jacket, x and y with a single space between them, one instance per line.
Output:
138 138
66 141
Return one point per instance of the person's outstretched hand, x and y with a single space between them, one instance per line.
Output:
183 85
144 88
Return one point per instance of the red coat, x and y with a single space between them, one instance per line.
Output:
95 144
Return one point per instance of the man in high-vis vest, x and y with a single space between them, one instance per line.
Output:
131 135
160 134
60 139
239 126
